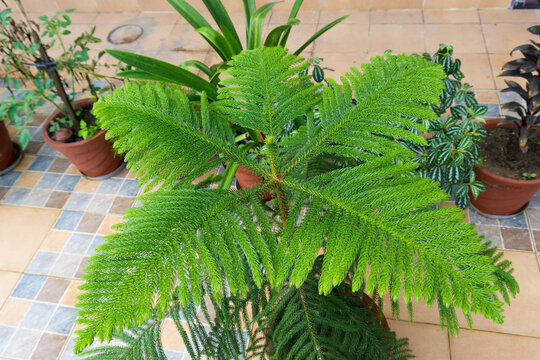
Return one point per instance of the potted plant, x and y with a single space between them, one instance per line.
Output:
511 152
453 138
71 128
291 274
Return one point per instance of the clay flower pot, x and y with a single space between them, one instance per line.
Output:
94 157
503 196
247 179
7 153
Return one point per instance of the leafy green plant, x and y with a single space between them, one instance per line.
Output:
452 147
22 60
225 41
526 116
86 131
287 273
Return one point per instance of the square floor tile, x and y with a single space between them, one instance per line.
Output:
33 147
59 165
28 286
491 233
533 214
71 294
38 316
42 263
480 219
78 243
16 196
98 240
78 201
129 188
516 239
62 320
10 178
100 204
68 220
53 290
38 198
29 179
48 181
110 186
121 204
3 191
48 150
68 182
6 332
13 312
41 163
90 223
66 265
57 200
22 343
517 221
49 347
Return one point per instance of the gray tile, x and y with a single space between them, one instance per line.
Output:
98 240
62 320
110 186
517 221
480 219
66 265
42 263
174 355
68 220
78 243
533 214
48 150
493 111
78 201
38 315
28 286
535 200
22 343
100 204
5 335
38 197
10 178
41 163
36 134
491 233
67 353
48 181
129 188
68 182
16 196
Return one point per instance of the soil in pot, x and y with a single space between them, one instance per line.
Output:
501 155
85 114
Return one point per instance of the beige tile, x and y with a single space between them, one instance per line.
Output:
502 38
109 221
479 345
476 68
117 6
281 17
466 38
112 18
422 313
396 17
335 41
37 6
497 61
176 57
301 33
396 4
451 4
70 297
87 186
400 38
451 16
169 17
345 4
522 316
25 162
507 16
487 96
12 131
80 6
427 342
8 279
78 17
29 179
184 38
341 63
22 232
55 241
153 5
13 311
287 4
493 4
355 17
170 337
72 170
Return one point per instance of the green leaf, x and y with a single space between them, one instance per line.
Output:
446 62
220 15
163 71
318 73
436 173
200 66
465 142
256 24
444 156
191 15
292 15
459 111
454 174
218 42
273 38
319 33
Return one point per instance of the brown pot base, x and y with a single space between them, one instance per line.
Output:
497 217
19 154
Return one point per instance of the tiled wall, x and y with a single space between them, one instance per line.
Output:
236 5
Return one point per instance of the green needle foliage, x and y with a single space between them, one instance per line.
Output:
373 222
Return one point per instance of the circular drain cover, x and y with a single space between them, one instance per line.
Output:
125 34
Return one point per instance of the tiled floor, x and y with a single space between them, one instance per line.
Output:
52 218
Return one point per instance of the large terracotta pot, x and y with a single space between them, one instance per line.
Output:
503 196
93 157
7 153
247 179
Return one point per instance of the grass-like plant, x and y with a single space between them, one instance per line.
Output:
290 273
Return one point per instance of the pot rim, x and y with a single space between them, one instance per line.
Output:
56 113
501 178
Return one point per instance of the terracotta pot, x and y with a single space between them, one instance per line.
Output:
247 179
503 196
7 153
94 156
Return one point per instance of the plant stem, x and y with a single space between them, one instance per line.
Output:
271 146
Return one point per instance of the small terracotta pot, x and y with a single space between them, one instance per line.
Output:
503 196
7 153
247 179
93 157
